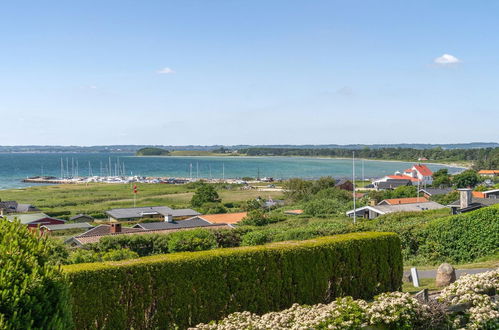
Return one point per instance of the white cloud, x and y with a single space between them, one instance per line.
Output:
446 59
166 71
92 87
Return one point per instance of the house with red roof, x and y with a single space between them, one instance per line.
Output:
420 172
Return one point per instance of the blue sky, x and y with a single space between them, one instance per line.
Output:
248 72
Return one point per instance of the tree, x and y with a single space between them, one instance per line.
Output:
441 178
468 178
34 294
205 193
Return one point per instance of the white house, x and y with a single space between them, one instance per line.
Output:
421 172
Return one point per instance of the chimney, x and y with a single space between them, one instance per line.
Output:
169 218
465 197
115 228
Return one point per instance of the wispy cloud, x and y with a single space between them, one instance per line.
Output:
166 71
446 59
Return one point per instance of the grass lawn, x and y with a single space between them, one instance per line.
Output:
97 197
424 283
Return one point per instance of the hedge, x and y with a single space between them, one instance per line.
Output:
184 289
462 238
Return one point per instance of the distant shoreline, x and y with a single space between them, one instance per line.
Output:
239 156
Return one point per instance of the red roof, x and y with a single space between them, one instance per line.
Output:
488 172
224 218
478 194
423 169
402 177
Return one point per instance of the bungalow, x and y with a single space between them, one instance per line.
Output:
489 173
95 234
390 182
468 203
82 218
67 226
344 184
150 212
372 212
33 220
15 207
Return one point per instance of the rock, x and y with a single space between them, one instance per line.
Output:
446 274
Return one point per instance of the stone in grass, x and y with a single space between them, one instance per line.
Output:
446 274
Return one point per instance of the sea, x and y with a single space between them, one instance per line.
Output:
14 167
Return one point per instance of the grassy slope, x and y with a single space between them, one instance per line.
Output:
95 198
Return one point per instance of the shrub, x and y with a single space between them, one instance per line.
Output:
325 206
191 240
121 254
462 238
33 293
228 237
257 238
206 193
185 289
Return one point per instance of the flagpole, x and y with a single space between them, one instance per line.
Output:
354 201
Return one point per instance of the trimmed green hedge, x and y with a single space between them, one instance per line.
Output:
184 289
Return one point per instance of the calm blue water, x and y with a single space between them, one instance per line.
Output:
15 167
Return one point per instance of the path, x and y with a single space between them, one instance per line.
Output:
432 273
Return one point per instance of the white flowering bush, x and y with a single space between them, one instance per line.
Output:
473 291
397 309
393 310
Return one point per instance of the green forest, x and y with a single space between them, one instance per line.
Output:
483 158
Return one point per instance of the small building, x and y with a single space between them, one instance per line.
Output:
489 173
344 184
33 220
195 222
408 200
372 212
149 212
428 192
95 234
467 202
391 184
494 193
82 218
7 207
84 226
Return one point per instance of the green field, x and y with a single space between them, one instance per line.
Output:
96 198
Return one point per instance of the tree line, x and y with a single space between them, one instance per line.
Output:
484 158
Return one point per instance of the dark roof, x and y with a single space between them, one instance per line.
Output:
436 191
13 207
475 200
82 225
140 212
342 181
392 184
189 223
81 216
106 230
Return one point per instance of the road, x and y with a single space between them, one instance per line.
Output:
432 273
